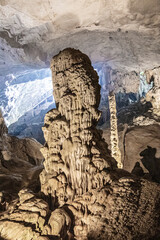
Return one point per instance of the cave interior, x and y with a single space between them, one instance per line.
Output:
80 120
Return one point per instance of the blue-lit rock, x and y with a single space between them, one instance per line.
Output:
25 98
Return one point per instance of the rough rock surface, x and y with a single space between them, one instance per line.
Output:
135 139
30 210
153 95
78 165
139 126
114 139
20 162
87 195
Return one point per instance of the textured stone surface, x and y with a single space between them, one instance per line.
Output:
20 162
134 140
70 133
25 218
101 199
114 139
85 195
153 95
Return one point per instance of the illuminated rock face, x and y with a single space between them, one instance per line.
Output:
75 152
85 196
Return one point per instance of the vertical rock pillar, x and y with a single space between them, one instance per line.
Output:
116 153
74 151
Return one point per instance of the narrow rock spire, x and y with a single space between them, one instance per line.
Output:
115 151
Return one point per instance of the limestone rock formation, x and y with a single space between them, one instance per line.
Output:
83 194
139 124
79 174
115 151
135 139
20 163
75 137
153 95
24 218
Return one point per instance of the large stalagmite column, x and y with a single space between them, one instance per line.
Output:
115 151
72 154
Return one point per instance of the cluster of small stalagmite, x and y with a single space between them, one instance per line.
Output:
84 196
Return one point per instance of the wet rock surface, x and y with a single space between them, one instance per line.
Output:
83 194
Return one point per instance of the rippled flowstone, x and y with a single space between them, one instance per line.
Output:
83 195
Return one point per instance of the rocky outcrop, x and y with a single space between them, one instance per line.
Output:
24 218
84 195
79 174
135 139
153 95
20 163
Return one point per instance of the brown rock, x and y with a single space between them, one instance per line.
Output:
20 162
79 173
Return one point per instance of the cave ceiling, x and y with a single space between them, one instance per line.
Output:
124 35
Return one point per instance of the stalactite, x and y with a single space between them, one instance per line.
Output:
115 151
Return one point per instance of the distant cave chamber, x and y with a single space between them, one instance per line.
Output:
27 97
